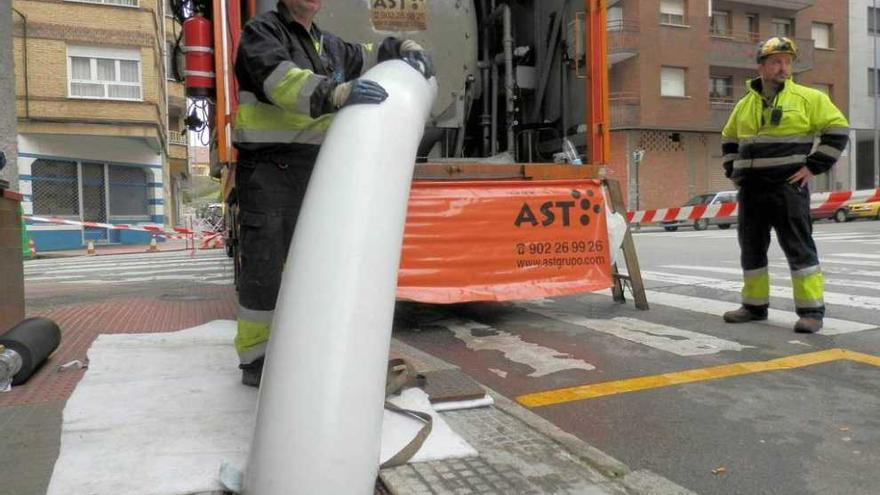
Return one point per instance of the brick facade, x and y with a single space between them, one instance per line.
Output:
680 136
134 133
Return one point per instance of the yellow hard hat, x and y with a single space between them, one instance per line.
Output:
776 44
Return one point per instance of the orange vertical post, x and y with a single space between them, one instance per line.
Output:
596 52
234 13
220 50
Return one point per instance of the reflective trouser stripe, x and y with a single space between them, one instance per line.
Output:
252 334
807 286
756 287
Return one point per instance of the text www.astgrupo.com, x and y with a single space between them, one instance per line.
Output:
561 262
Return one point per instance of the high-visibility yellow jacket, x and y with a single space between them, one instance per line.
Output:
286 76
771 140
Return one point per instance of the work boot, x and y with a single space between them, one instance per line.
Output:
805 324
251 373
743 314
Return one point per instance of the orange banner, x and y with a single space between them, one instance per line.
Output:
503 240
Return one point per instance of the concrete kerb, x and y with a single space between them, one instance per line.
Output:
643 482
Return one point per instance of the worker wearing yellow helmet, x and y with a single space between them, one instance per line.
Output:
770 154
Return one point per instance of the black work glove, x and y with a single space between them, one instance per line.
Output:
358 91
416 56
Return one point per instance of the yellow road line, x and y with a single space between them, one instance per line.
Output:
592 391
862 358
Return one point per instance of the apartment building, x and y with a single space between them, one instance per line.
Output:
676 71
98 121
199 161
9 172
864 114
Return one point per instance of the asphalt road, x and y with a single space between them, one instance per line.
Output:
662 389
803 419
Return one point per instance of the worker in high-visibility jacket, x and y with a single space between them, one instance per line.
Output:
770 153
292 78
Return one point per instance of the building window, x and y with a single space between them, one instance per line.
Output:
672 12
822 35
65 188
55 187
753 26
823 87
873 20
128 191
872 81
170 59
672 81
104 73
124 3
615 18
720 23
782 27
721 89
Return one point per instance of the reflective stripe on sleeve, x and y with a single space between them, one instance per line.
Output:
769 162
291 88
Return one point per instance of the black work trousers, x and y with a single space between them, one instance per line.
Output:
785 208
270 194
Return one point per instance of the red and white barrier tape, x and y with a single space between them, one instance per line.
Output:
833 200
175 233
214 241
826 201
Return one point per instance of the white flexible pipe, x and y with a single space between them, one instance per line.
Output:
319 419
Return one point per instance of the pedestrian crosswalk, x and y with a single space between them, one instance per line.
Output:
208 267
846 237
851 297
692 291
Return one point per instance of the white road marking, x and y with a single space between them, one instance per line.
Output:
662 337
125 258
840 270
214 279
214 268
837 282
775 317
126 267
542 359
502 374
857 255
864 302
798 342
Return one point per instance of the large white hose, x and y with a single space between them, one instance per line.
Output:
319 419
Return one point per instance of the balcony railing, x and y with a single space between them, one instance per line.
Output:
625 109
738 48
794 5
722 104
175 138
622 39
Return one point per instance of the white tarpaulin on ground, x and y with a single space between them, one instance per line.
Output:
160 413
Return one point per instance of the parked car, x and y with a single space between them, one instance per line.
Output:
858 210
826 213
707 199
846 213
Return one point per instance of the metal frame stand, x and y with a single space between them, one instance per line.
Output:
634 276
